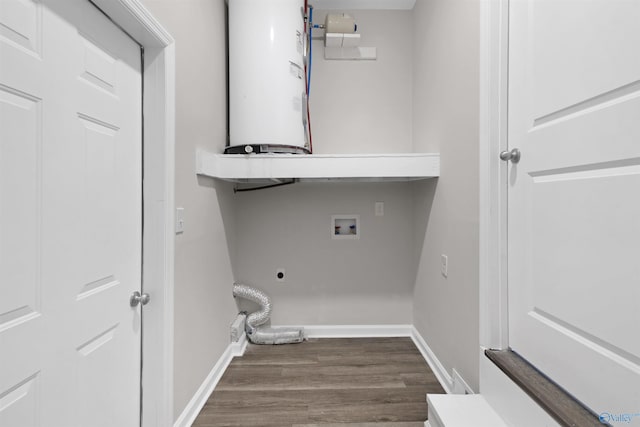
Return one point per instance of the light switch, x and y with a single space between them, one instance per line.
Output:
179 220
444 265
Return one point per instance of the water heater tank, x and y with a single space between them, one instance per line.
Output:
267 80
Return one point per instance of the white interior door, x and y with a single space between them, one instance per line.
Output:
574 197
70 217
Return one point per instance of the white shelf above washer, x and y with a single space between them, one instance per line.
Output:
318 167
364 4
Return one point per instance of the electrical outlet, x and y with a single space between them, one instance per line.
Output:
379 209
444 265
280 273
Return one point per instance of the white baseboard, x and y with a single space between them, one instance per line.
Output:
355 331
436 366
197 402
238 348
459 385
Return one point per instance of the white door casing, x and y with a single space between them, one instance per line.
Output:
158 194
71 215
574 204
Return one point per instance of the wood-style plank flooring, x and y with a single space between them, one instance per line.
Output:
356 382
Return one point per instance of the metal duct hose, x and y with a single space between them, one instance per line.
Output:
264 335
259 317
277 336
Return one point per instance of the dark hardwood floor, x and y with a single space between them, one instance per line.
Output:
357 382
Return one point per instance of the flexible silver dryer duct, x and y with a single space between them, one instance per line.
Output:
256 318
264 335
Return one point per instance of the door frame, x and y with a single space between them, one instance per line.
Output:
493 292
158 203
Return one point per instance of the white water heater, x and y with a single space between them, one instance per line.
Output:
267 78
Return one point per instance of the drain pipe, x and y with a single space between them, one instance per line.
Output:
258 334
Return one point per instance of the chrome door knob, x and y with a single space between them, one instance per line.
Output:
513 155
137 298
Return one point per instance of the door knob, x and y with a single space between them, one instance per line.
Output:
513 155
137 298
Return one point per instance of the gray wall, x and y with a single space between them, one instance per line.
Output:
445 120
329 282
421 95
204 307
364 106
356 107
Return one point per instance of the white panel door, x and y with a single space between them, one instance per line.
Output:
70 217
574 197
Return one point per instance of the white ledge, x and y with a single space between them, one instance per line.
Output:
358 167
364 4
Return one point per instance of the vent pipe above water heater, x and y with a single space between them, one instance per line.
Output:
267 79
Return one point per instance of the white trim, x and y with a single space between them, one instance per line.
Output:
379 167
509 401
459 385
364 4
354 331
199 399
158 199
136 20
238 348
493 173
434 363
